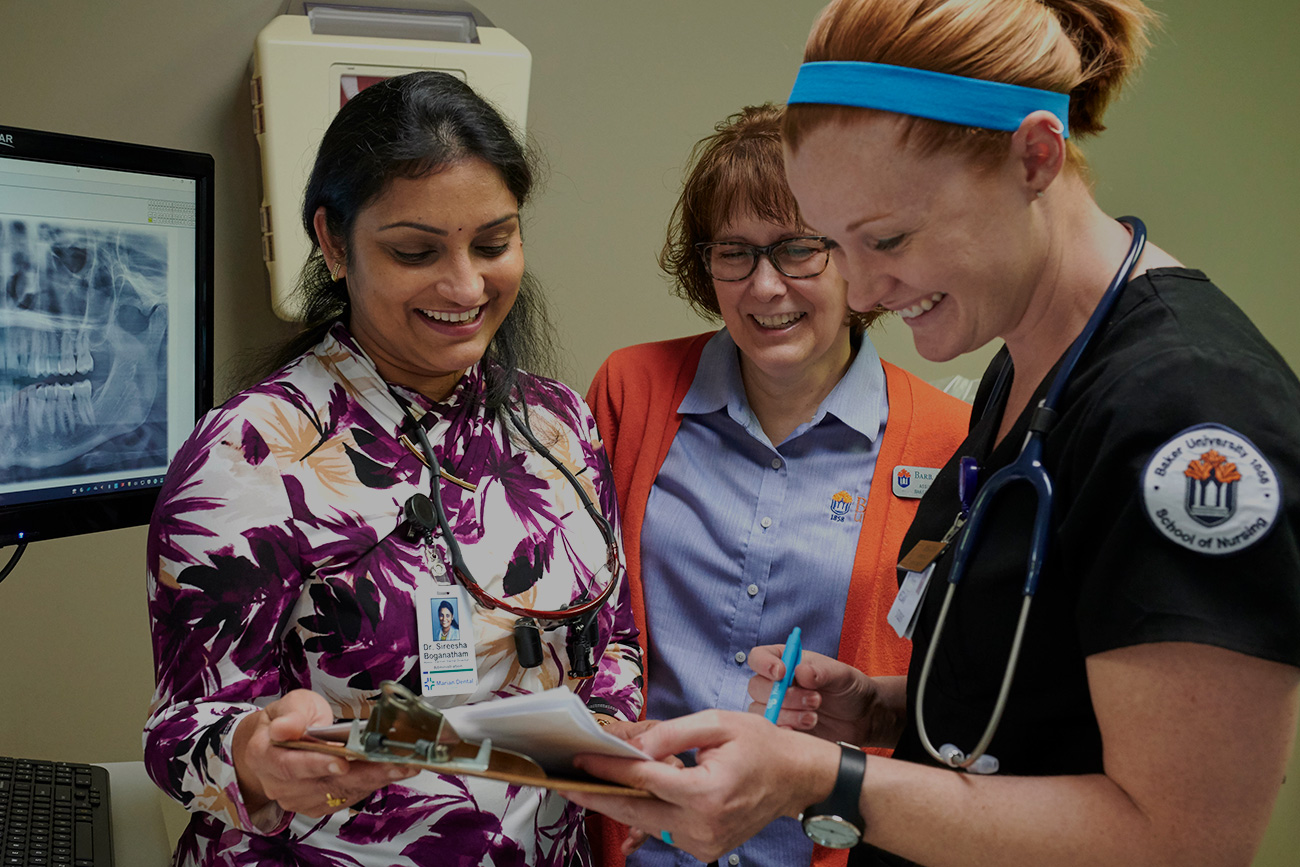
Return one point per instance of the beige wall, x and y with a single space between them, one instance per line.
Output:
1203 148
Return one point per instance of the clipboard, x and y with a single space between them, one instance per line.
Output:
403 729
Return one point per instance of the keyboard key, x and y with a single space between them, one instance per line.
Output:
51 812
84 841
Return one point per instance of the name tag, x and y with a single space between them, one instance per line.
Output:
445 623
913 482
902 614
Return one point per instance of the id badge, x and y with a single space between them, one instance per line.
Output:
445 620
902 614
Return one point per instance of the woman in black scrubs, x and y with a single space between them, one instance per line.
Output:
1155 695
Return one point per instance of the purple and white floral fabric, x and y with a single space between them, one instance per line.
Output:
274 564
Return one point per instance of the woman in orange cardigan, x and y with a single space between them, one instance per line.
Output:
766 472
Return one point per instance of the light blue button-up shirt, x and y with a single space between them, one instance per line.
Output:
742 541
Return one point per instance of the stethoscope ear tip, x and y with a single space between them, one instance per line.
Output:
953 757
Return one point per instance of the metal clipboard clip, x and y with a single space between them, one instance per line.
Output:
403 729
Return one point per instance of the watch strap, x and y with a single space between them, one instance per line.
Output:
844 796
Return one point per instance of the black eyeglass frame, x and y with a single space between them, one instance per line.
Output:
703 247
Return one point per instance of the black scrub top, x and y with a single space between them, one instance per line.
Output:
1148 544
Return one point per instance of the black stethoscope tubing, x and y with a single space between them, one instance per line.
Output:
585 604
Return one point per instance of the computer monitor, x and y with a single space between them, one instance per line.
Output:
105 327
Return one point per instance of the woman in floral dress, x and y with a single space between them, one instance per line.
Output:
284 587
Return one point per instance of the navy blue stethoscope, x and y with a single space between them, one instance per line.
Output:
1026 468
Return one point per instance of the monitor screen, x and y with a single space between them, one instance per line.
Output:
105 327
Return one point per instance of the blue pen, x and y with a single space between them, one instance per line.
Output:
789 658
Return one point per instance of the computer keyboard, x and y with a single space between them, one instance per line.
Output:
54 814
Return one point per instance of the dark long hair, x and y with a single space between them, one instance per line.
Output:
407 127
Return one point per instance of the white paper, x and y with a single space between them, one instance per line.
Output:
549 727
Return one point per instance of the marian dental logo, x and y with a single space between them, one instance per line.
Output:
1210 490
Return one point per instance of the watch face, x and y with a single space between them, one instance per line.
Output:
831 832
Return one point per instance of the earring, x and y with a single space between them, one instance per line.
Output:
338 266
1039 194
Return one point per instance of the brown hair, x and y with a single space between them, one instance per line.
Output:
739 169
1086 48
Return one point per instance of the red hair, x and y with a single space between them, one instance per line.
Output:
1087 48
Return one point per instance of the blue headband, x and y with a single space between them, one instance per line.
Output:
922 93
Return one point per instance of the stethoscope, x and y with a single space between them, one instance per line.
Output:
423 517
1028 468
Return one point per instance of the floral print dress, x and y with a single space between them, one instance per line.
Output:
275 563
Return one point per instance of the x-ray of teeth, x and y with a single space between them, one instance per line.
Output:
83 348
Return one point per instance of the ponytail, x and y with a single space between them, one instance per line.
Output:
1111 38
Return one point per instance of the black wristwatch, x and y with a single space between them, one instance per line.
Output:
836 823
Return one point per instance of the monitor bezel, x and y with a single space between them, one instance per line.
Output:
70 516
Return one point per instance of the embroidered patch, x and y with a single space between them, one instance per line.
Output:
1210 490
841 505
913 482
846 508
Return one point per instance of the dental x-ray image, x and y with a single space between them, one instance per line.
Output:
83 349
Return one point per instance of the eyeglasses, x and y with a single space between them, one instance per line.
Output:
729 261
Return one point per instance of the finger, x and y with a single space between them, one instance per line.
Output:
823 674
633 812
759 687
796 697
292 715
362 778
270 770
702 729
321 799
815 671
628 730
635 837
766 659
796 718
633 773
319 796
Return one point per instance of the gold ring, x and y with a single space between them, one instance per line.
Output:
333 801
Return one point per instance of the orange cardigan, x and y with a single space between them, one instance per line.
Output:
635 396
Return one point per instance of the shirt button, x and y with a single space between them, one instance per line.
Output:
752 589
766 522
776 465
733 859
740 656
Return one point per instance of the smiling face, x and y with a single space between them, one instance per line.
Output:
444 618
433 266
787 329
950 245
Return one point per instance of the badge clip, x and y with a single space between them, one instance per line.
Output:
925 552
